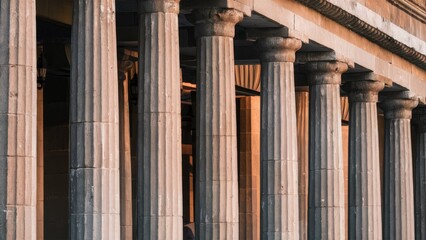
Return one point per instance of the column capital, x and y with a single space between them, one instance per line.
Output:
419 119
327 72
364 90
278 49
216 21
165 6
399 105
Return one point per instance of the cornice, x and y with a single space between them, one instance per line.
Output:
411 8
366 30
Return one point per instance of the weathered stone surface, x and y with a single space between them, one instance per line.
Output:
398 209
364 199
326 199
419 120
216 200
302 116
279 168
18 164
249 168
159 125
94 138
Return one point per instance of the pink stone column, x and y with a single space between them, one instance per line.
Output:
398 204
18 109
278 151
216 201
160 207
94 130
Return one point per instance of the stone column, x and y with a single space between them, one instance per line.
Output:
94 138
126 212
326 191
18 108
279 168
159 123
420 174
398 209
302 117
216 200
364 199
249 168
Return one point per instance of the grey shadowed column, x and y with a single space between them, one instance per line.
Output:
419 120
216 209
302 117
159 123
18 108
364 199
326 214
398 209
278 152
94 139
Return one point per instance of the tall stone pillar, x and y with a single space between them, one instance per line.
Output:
398 209
326 191
94 138
364 198
249 168
18 108
420 174
279 168
302 117
159 123
216 200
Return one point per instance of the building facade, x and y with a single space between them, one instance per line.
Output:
213 119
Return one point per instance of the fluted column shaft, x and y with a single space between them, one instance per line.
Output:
94 139
398 209
302 117
18 108
364 199
420 177
326 191
159 123
278 154
216 210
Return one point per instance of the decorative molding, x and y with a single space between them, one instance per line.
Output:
366 30
412 8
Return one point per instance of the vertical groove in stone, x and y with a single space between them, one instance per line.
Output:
279 168
398 204
125 161
302 116
18 109
217 177
364 173
40 166
420 184
94 138
159 129
326 191
249 168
